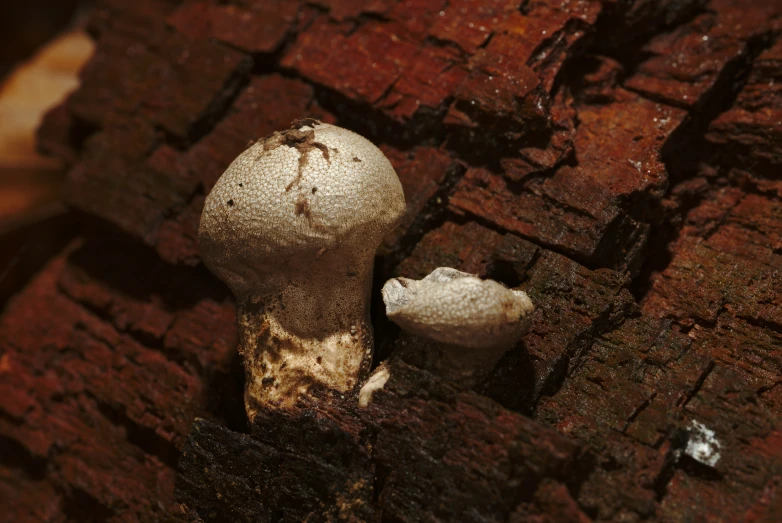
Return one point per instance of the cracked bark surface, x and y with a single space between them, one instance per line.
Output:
618 161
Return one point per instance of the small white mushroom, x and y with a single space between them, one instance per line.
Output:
473 321
292 227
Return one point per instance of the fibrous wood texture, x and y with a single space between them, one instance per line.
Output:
617 160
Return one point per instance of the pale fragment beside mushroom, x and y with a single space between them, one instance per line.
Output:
292 227
375 383
473 322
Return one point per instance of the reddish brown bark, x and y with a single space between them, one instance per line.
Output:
616 160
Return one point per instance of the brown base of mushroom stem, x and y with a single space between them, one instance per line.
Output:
282 365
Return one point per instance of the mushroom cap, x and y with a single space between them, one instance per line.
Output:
295 195
457 308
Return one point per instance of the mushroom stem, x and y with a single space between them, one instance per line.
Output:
308 329
462 364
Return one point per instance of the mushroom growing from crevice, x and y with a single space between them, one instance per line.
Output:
292 227
469 322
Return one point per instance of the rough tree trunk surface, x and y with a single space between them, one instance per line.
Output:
617 160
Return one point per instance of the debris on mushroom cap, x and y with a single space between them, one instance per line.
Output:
292 227
457 308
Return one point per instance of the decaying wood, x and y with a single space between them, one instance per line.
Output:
618 161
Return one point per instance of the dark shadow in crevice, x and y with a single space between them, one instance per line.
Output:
507 137
225 393
614 37
27 249
628 36
424 129
678 441
17 457
512 382
122 263
386 332
81 506
506 272
142 437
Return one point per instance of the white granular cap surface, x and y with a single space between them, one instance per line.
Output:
314 187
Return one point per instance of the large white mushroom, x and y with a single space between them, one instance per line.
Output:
292 227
